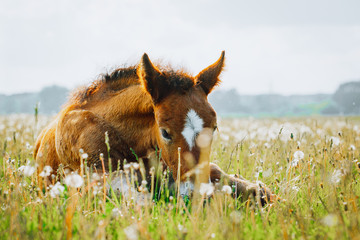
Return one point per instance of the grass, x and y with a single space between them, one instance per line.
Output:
320 192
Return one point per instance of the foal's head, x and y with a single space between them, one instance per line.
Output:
181 110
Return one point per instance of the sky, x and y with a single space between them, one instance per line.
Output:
278 46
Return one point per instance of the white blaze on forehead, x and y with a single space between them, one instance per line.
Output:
193 125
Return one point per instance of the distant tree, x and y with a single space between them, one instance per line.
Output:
347 97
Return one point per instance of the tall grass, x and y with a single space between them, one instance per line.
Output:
310 163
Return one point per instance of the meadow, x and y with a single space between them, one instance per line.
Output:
310 163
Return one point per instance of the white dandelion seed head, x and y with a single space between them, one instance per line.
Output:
74 180
235 217
136 166
56 190
330 220
226 189
335 141
336 176
132 232
299 155
46 171
84 156
268 173
294 162
206 189
116 212
27 170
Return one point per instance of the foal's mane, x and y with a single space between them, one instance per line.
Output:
121 78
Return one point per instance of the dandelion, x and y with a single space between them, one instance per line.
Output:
299 155
267 145
116 213
74 180
295 188
56 190
127 168
46 171
27 170
182 228
294 162
95 177
267 173
330 220
226 189
136 166
336 176
206 188
335 141
235 217
131 232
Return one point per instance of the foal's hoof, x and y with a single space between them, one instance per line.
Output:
263 192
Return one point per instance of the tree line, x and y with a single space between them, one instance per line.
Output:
345 101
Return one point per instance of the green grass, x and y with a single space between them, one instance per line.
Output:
319 196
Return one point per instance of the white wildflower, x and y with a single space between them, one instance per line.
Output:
143 183
267 145
56 190
27 170
294 162
116 212
335 141
74 180
96 190
226 189
46 171
330 220
206 188
295 188
352 147
84 156
182 228
299 155
235 217
131 232
336 176
212 235
95 177
267 173
136 166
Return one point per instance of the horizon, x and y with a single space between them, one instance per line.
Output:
216 89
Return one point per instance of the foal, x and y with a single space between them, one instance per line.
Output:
142 109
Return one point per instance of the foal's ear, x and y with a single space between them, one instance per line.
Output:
149 77
209 77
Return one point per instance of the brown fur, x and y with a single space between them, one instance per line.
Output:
133 105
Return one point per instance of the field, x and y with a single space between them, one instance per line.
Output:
310 163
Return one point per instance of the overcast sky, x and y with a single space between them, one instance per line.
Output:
272 46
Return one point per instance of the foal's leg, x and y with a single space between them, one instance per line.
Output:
243 188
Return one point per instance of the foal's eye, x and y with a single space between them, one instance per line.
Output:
165 134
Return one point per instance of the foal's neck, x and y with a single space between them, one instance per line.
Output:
131 112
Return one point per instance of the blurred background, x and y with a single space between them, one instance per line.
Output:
283 58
